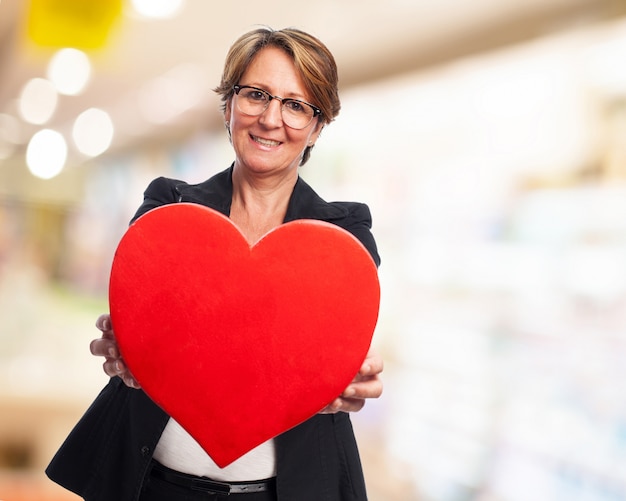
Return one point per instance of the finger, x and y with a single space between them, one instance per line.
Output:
352 404
103 322
369 388
103 347
372 365
112 367
130 381
333 407
116 367
344 405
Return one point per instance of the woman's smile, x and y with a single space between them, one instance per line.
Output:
270 143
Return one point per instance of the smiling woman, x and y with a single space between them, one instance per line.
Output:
312 62
279 89
265 144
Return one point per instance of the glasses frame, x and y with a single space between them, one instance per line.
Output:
316 111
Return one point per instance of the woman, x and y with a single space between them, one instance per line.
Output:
279 89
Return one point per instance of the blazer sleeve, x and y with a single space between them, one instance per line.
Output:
359 223
161 191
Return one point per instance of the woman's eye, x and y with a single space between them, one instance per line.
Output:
295 106
256 95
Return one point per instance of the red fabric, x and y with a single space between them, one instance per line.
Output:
240 344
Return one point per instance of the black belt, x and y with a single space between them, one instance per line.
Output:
210 486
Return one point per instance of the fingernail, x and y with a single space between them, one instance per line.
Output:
350 392
112 352
117 366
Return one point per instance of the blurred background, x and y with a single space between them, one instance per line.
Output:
488 138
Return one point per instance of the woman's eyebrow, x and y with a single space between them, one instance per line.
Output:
293 95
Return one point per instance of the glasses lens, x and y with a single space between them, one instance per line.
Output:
252 101
296 114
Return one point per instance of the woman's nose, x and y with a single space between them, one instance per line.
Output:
273 114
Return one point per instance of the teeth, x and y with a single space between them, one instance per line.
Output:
265 142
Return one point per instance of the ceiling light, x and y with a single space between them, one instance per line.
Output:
158 9
93 132
46 154
69 70
38 101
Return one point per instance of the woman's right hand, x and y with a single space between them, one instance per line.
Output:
106 347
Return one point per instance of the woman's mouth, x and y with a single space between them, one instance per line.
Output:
265 142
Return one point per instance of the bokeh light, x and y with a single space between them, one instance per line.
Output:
69 70
93 132
46 154
38 101
159 9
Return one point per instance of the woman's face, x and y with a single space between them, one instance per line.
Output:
263 144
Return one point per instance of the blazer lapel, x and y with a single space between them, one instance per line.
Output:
217 193
306 204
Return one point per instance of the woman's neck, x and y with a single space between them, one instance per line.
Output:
260 203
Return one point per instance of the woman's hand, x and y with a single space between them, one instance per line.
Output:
106 347
366 384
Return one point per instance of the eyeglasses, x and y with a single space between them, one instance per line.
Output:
253 101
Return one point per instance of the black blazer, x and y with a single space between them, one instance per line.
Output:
107 455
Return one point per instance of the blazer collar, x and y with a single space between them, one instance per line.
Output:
217 193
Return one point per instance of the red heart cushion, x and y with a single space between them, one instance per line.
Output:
240 343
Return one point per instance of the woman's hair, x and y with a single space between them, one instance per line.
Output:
312 59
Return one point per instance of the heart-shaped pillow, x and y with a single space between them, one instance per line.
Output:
240 343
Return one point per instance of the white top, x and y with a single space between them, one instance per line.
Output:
179 451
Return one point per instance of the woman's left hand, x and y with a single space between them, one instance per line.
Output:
366 384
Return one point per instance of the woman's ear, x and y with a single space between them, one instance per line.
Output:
227 111
227 115
316 134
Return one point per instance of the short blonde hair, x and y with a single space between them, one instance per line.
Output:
312 59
